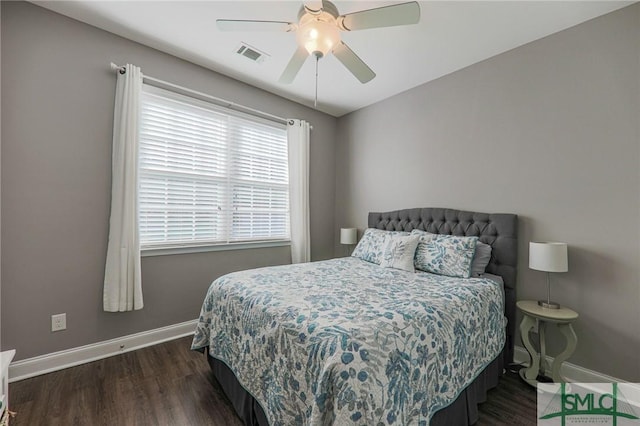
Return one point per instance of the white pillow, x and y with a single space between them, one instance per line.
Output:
398 252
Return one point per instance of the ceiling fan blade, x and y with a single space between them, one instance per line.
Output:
296 62
388 16
244 25
353 63
313 5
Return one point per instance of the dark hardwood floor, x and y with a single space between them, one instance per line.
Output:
168 384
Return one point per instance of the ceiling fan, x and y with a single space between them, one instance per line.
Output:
318 32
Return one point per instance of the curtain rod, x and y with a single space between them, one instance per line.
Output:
215 100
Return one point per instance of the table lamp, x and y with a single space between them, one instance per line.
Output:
548 257
348 236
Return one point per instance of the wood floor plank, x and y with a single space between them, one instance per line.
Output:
168 384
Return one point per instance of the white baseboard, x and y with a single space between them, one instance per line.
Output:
55 361
571 372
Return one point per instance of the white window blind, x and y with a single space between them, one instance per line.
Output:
208 175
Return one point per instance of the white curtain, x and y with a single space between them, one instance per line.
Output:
298 140
122 278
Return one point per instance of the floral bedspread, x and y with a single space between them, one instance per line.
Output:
346 341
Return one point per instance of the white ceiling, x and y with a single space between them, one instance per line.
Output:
451 35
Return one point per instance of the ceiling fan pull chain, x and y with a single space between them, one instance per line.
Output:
315 101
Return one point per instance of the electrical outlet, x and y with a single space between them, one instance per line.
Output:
58 322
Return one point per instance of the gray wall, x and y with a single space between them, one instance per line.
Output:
548 131
0 181
57 106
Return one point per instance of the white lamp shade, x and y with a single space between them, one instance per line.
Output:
348 235
548 256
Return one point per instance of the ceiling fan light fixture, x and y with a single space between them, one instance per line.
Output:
318 34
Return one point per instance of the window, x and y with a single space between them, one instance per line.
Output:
208 175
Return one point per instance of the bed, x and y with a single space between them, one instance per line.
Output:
347 341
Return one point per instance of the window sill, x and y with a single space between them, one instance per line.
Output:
171 250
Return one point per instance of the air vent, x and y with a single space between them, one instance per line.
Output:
251 53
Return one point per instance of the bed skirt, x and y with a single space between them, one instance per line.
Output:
462 412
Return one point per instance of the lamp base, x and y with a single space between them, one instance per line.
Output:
548 305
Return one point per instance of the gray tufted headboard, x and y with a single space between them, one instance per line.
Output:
499 230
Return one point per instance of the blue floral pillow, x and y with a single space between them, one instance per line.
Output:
398 252
425 236
372 243
446 255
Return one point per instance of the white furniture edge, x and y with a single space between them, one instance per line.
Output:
571 372
6 358
55 361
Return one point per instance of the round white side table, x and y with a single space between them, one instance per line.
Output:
562 318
